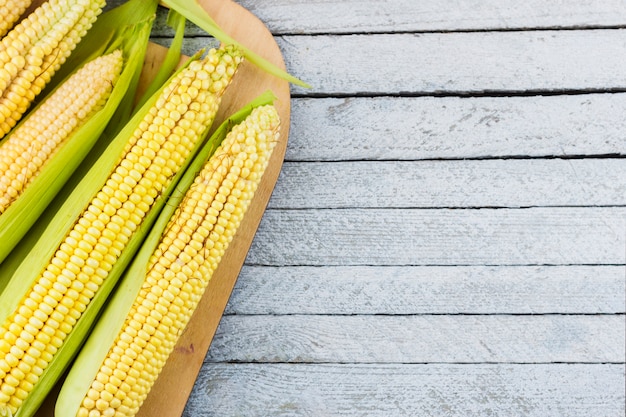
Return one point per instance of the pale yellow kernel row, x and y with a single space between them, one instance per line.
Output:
10 12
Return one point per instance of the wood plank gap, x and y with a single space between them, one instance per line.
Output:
430 265
482 207
569 28
464 94
479 158
352 363
455 208
546 314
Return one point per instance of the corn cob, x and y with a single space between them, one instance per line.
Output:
11 10
35 49
163 140
127 28
26 149
178 272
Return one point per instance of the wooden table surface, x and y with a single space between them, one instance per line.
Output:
448 233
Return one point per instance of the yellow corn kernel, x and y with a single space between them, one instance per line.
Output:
35 49
61 296
24 152
171 293
10 12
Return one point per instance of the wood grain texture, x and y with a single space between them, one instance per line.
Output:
457 63
553 236
420 339
427 184
294 16
383 390
410 128
367 290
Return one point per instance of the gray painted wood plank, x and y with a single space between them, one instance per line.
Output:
455 63
426 184
294 16
420 339
429 290
383 390
536 236
401 128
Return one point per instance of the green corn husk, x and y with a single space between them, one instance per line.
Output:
191 10
172 57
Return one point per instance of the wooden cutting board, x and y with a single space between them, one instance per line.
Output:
169 396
